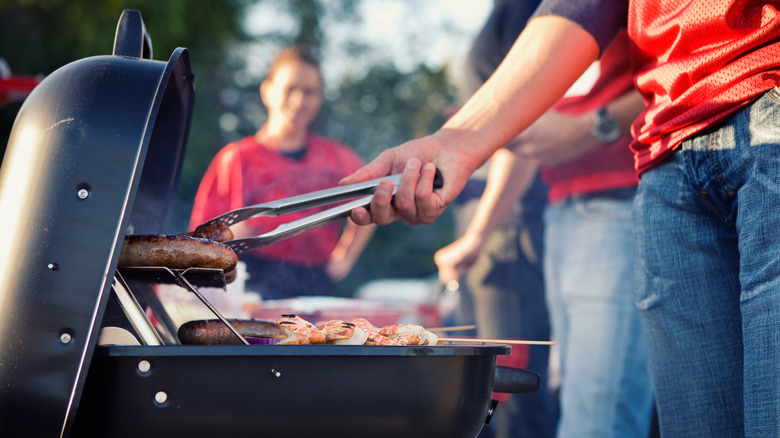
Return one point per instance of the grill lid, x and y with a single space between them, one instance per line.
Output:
95 152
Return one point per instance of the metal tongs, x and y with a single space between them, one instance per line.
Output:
365 190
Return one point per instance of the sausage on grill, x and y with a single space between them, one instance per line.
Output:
175 252
214 332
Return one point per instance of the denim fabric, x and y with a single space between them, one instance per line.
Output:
605 384
708 238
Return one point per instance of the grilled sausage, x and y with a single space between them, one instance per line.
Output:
216 232
175 252
214 332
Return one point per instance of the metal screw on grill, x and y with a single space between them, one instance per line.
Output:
144 366
161 397
83 193
53 266
65 338
276 372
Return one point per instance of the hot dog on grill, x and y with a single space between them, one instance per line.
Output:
216 232
214 332
175 252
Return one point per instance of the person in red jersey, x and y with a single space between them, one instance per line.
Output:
706 149
284 158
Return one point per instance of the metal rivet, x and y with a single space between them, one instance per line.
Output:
65 338
276 372
53 266
83 193
144 366
161 397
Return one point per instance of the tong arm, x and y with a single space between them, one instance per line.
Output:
302 202
283 231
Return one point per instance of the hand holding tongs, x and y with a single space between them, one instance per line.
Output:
365 189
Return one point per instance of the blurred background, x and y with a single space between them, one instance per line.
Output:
391 69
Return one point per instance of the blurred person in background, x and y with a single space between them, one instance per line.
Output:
283 159
706 148
502 288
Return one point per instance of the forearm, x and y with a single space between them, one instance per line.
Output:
509 177
352 242
546 59
624 109
557 138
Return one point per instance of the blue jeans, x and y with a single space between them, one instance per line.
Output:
708 239
605 384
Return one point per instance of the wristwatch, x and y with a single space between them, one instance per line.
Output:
605 127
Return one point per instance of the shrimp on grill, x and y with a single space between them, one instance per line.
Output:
406 339
409 334
336 329
374 337
303 332
294 338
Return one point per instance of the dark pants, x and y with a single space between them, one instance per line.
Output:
275 280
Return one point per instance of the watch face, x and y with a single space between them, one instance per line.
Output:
606 128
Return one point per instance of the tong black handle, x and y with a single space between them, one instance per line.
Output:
438 180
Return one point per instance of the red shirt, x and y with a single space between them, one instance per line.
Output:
245 172
611 166
697 63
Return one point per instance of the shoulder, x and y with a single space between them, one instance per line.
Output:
234 150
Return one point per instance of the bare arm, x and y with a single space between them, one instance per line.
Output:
508 180
556 138
349 247
550 54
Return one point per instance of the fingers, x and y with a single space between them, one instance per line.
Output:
405 203
361 216
381 208
381 166
414 201
429 205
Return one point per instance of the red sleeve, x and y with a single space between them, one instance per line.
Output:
220 189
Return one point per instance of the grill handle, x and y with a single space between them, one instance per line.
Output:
515 380
132 39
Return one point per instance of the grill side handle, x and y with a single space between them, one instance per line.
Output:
515 380
132 39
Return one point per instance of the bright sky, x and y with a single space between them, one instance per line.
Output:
407 31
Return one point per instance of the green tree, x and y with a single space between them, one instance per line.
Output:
39 36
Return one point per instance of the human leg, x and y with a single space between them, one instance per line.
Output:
507 287
708 277
605 389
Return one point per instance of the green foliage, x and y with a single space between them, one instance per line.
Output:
39 36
